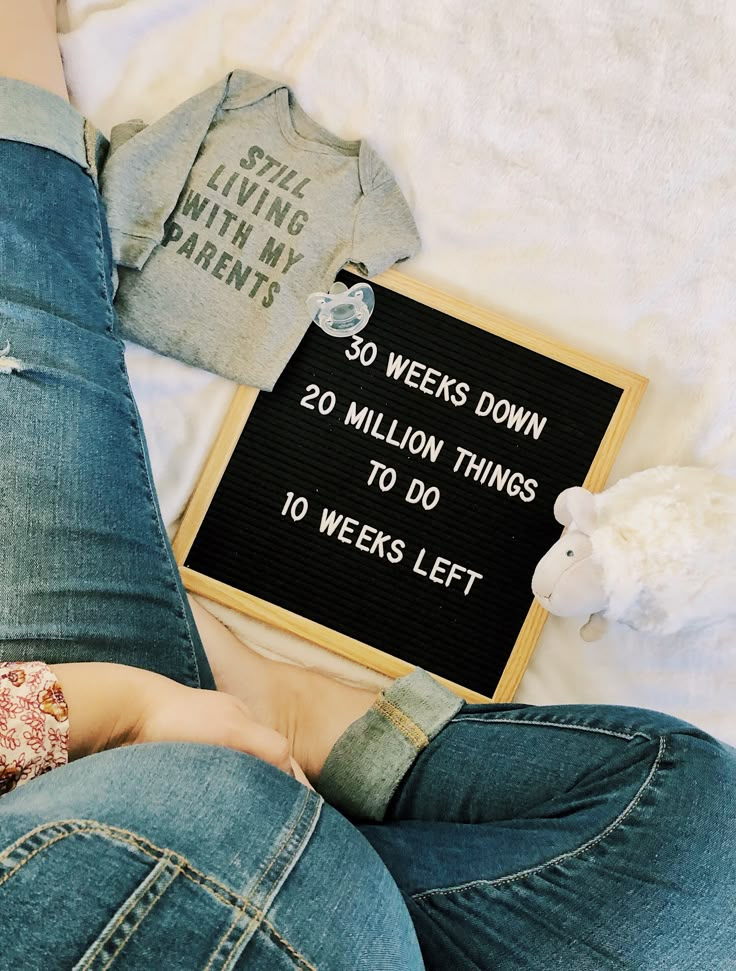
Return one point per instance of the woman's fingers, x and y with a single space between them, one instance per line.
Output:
267 744
175 713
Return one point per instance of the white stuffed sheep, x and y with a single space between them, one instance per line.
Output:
656 551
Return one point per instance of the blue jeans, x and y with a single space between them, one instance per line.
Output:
446 835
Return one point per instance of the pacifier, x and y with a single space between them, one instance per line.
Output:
342 312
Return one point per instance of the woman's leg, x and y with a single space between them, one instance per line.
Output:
170 855
191 857
86 570
576 837
28 48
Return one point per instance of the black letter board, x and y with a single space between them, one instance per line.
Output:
395 491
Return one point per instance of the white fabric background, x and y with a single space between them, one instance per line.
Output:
570 164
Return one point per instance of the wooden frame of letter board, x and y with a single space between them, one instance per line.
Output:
633 387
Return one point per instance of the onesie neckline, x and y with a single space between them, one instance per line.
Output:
292 117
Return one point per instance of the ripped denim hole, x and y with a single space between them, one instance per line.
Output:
8 364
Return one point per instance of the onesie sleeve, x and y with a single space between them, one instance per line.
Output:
145 172
34 723
384 232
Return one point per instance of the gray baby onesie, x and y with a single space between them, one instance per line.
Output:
228 212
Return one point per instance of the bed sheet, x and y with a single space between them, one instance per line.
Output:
570 165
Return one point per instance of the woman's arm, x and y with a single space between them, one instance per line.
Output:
28 47
80 709
49 714
111 705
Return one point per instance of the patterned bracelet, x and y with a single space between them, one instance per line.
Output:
34 723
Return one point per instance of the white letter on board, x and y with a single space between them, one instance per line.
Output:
485 403
418 563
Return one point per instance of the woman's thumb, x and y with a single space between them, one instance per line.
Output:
265 743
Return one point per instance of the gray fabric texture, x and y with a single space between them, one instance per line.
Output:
228 212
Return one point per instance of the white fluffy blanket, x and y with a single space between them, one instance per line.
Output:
570 164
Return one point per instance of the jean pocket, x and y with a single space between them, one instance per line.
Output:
78 894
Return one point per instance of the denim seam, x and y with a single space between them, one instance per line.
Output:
101 262
80 826
194 664
129 906
145 911
163 540
252 924
563 856
406 725
184 867
236 954
305 803
294 953
545 724
136 435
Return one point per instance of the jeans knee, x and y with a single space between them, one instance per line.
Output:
319 888
705 767
700 762
691 814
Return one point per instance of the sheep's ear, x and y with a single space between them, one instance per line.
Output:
576 506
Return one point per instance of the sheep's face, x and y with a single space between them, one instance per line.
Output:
567 581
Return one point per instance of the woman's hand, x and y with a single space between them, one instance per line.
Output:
111 705
174 713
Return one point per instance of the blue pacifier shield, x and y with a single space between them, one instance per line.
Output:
342 312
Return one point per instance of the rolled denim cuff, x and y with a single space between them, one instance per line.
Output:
369 760
38 117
